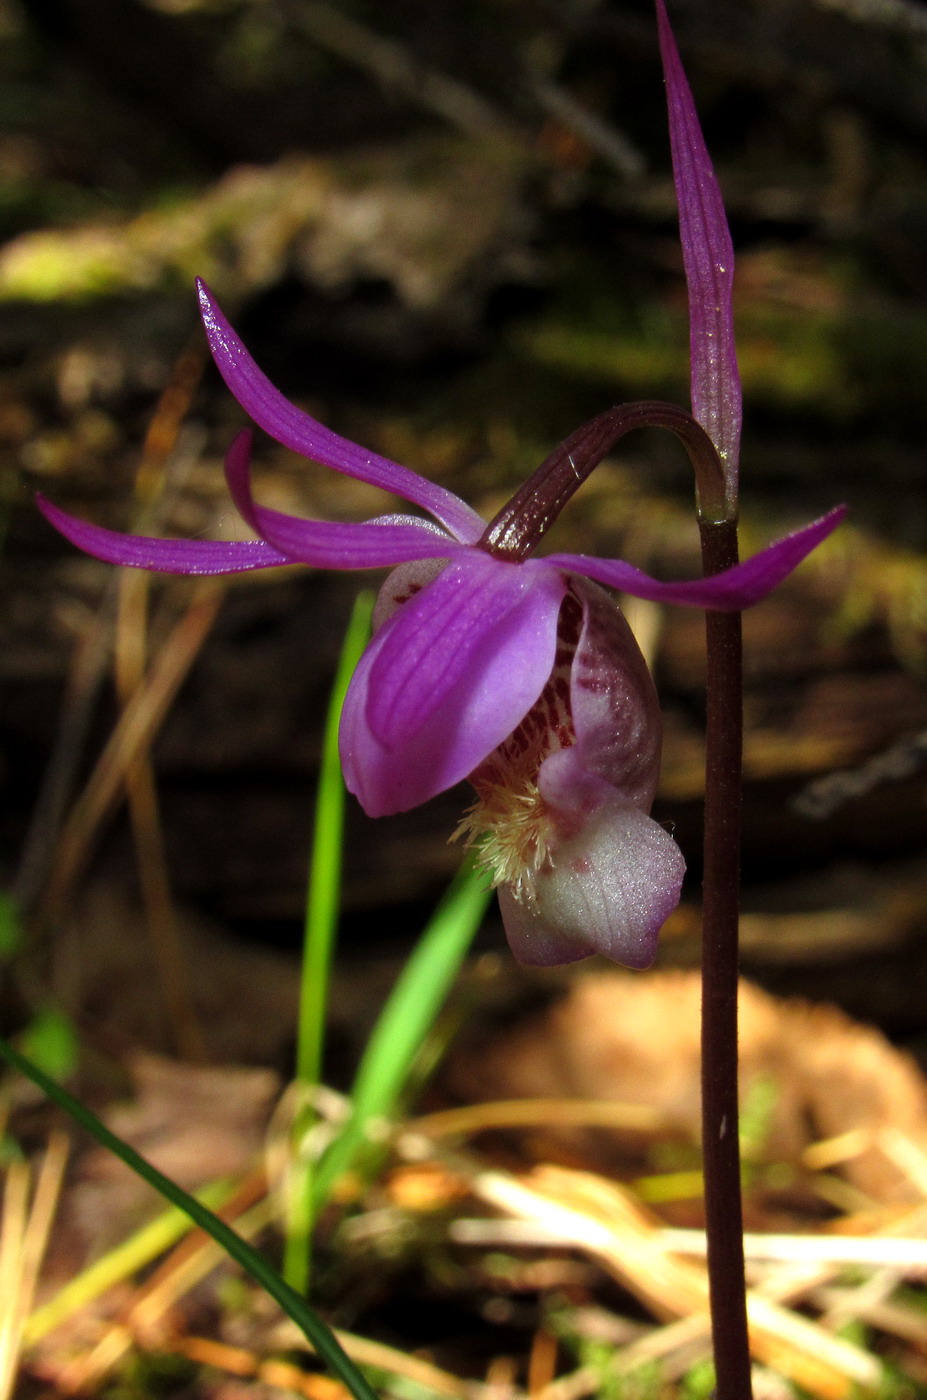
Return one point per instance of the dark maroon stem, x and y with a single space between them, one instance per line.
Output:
721 907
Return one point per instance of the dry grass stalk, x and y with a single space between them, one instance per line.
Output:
851 1304
907 1155
832 1152
897 1319
521 1113
12 1238
86 670
23 1238
144 1320
131 661
608 1222
145 704
236 1361
542 1361
398 1363
135 729
144 812
574 1386
909 1255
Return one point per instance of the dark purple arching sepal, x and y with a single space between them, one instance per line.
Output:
708 258
298 430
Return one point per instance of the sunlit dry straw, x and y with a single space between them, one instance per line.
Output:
850 1304
185 1267
386 1358
236 1361
898 1319
909 1255
605 1220
586 1380
793 1267
12 1237
542 1361
142 794
23 1240
908 1156
843 1195
92 650
118 1264
831 1152
523 1113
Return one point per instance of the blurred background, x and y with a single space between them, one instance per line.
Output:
449 230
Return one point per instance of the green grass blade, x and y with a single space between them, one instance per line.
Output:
324 891
409 1014
319 1335
322 907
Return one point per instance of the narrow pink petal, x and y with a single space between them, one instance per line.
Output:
609 890
238 477
163 556
736 588
708 258
447 678
304 434
372 544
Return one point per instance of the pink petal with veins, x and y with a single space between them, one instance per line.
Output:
562 816
610 890
446 678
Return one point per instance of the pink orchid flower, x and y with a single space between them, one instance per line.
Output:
520 674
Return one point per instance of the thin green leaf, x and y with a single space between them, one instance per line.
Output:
409 1013
325 865
322 908
319 1335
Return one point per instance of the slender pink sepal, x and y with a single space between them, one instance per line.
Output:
162 556
731 591
295 429
383 542
708 258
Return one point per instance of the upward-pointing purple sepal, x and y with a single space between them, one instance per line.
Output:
708 258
